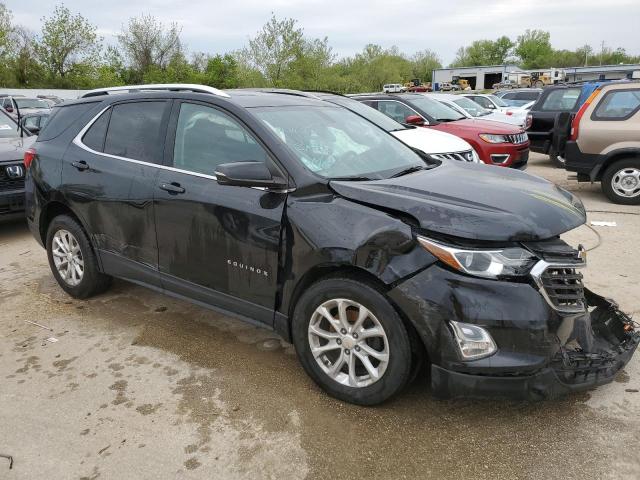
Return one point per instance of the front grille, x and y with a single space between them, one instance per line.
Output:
563 288
518 138
458 156
7 183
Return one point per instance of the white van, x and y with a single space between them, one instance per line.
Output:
393 88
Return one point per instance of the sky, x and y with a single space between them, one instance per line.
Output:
443 26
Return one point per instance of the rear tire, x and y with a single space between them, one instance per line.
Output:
338 345
621 182
72 259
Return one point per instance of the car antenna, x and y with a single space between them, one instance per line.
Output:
20 126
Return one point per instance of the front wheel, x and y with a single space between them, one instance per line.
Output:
72 260
621 182
351 341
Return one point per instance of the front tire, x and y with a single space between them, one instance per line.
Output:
621 182
351 341
72 260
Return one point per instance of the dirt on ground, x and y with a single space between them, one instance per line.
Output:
135 385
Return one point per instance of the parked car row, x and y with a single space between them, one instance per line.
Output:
305 213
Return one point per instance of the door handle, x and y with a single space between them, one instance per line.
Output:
172 187
81 165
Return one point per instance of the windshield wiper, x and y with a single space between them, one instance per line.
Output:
360 179
407 171
447 119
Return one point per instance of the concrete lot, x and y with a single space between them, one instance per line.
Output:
142 386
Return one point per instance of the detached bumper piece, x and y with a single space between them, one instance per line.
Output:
591 357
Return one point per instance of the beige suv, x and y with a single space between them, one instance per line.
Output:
604 142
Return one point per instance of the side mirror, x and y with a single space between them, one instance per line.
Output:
33 130
414 120
9 109
248 174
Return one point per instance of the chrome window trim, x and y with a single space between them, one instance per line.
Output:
541 267
78 142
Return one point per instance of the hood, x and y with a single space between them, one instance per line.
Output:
431 141
12 149
502 118
475 126
474 201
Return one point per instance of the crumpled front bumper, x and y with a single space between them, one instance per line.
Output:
532 362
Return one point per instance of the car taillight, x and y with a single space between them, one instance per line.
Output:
528 122
575 124
29 155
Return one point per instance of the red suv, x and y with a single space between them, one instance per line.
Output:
496 143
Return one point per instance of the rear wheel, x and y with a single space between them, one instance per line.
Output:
351 341
72 260
621 182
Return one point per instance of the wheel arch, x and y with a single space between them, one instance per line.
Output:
613 157
53 209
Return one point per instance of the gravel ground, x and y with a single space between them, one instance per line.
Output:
140 386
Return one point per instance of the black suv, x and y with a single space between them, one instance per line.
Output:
305 218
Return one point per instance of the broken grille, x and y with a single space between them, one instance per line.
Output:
564 289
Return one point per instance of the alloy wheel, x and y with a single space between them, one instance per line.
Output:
348 342
67 257
626 182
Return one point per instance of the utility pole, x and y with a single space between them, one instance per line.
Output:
601 52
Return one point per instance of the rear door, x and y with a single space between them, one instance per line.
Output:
109 175
545 113
218 244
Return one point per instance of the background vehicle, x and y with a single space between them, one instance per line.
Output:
604 141
551 114
393 88
447 87
519 97
13 144
26 105
488 101
51 99
34 122
416 86
439 145
496 143
521 114
348 235
471 109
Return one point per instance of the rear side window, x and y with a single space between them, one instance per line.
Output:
529 96
561 100
61 118
134 131
618 105
94 138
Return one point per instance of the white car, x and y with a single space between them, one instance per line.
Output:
471 109
440 145
488 101
393 88
520 113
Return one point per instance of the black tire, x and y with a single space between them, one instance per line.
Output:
398 369
92 281
609 174
557 160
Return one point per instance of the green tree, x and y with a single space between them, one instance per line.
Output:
5 29
274 49
484 52
66 42
148 44
221 71
534 49
423 64
23 62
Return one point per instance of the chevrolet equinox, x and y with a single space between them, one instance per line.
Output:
301 216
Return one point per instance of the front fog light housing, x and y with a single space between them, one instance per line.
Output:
474 342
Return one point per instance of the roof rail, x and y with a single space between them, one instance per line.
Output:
175 87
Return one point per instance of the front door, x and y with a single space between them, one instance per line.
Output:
217 243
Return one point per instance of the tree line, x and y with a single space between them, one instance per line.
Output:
67 52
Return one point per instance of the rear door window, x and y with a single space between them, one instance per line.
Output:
564 99
135 131
207 137
94 138
396 110
618 105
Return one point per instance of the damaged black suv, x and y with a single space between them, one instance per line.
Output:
303 217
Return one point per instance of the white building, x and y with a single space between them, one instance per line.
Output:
480 77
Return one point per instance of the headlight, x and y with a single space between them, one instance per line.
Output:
474 155
473 341
491 138
494 263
